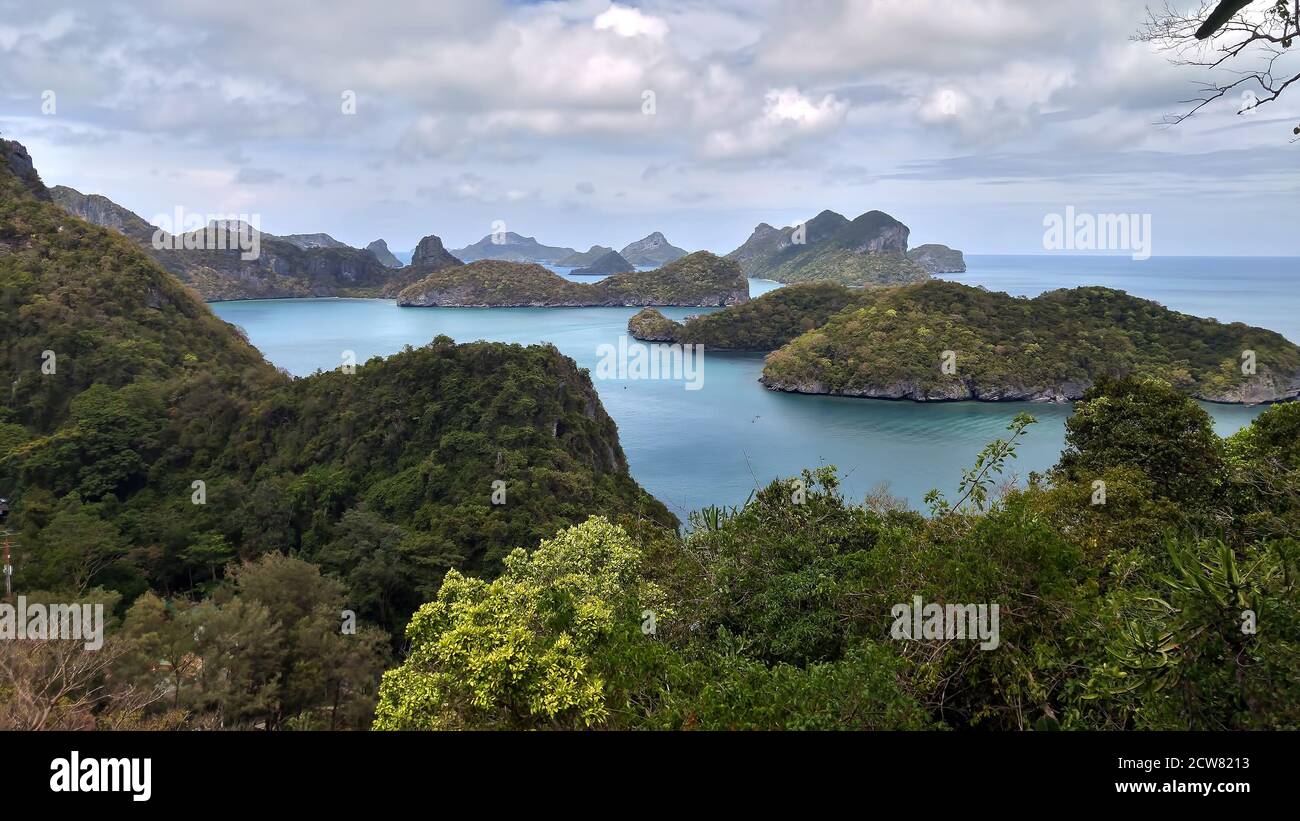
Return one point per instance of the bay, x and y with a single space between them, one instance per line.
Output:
715 445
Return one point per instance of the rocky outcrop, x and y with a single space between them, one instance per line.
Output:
1260 389
428 258
15 159
654 249
649 325
868 250
379 250
938 259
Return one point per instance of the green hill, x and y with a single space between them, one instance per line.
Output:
144 392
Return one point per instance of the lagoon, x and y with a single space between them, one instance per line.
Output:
715 445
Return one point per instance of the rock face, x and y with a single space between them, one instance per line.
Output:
611 263
428 257
585 258
15 159
1260 389
218 271
652 250
102 211
431 256
868 250
938 259
699 279
958 390
379 250
512 247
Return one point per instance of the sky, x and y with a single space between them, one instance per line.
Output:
584 122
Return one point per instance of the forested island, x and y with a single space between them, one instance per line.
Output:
699 279
938 341
870 250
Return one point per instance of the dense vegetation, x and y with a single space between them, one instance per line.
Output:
891 343
1169 601
868 250
762 324
1148 581
699 279
149 447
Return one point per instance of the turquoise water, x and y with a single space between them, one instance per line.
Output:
692 448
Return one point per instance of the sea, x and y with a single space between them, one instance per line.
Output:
717 443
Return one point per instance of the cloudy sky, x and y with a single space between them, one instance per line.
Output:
583 122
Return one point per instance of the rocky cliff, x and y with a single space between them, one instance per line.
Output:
938 259
868 250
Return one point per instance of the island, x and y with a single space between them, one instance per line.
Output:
870 250
610 263
938 259
584 258
701 279
944 341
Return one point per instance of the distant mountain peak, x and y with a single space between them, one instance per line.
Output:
512 247
653 250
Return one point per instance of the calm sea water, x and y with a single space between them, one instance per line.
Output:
693 448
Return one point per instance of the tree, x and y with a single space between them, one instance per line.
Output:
57 684
532 649
1255 42
164 640
1148 425
314 667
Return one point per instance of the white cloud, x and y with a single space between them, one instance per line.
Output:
630 22
787 115
496 106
